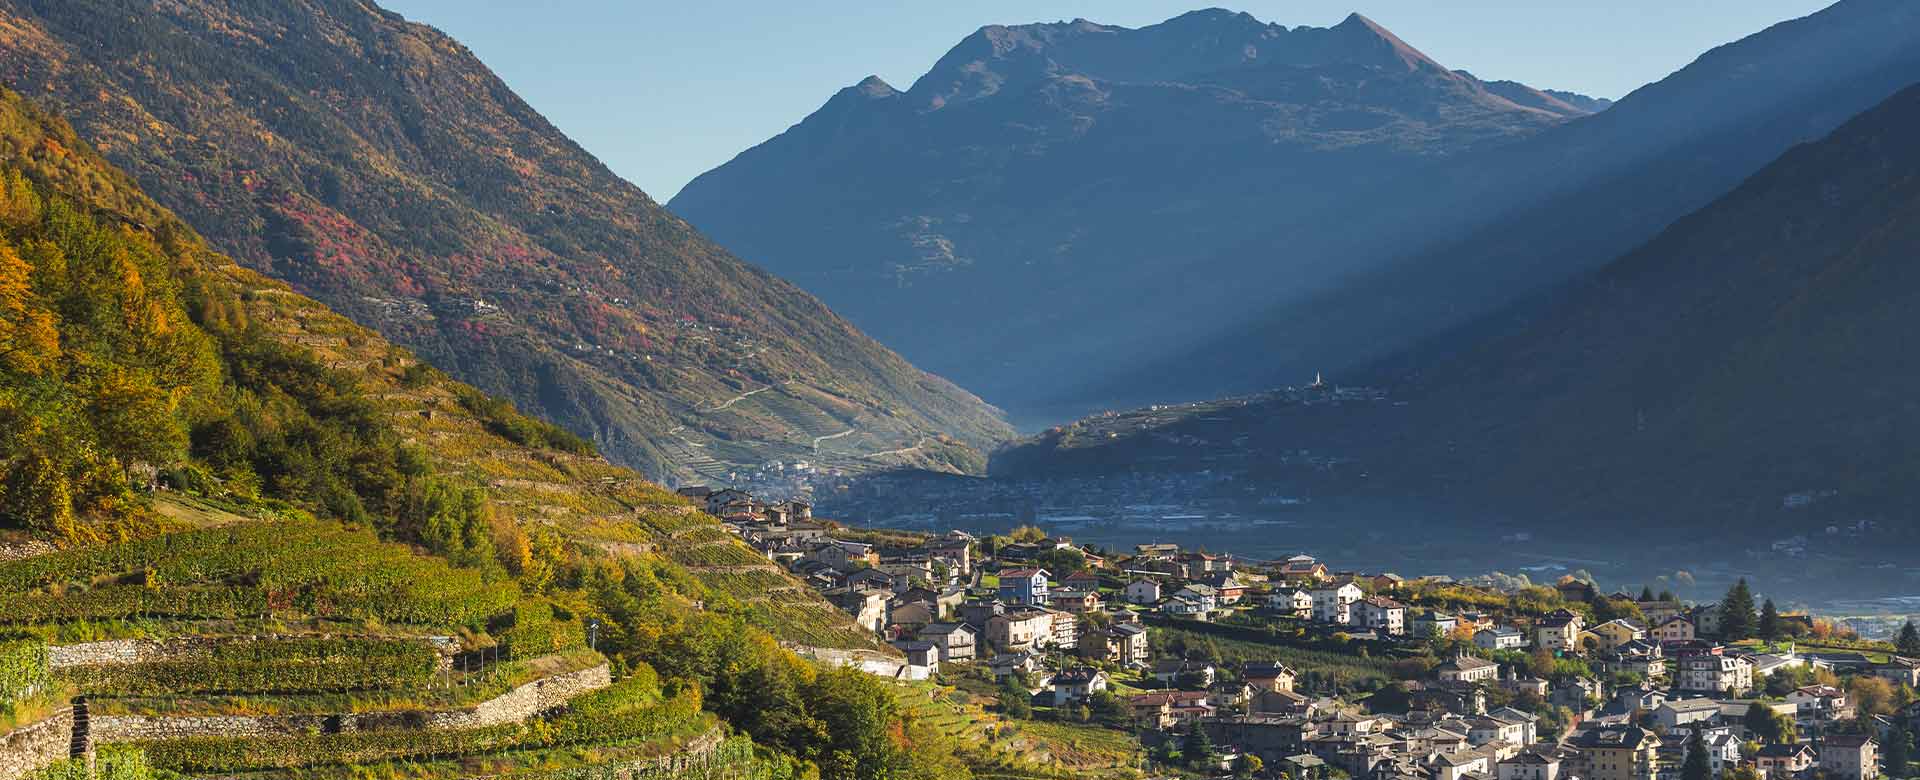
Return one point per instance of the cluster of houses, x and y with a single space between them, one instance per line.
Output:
1650 689
932 601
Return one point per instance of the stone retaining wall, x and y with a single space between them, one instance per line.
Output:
871 662
32 747
122 652
520 704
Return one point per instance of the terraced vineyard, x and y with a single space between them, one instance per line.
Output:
242 536
379 654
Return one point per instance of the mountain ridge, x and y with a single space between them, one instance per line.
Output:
1047 175
375 163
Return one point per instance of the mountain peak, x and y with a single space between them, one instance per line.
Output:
873 87
1364 31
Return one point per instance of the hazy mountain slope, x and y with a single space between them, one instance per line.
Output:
1745 371
1496 227
1754 350
377 165
1036 200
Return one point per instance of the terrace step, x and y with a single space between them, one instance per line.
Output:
77 748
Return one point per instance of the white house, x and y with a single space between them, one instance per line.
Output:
1076 685
1142 591
1295 603
1499 638
1204 595
1331 603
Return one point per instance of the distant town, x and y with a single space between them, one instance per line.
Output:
1294 668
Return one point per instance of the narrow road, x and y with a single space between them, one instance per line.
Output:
741 397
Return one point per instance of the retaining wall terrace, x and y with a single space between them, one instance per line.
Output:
123 652
520 704
32 747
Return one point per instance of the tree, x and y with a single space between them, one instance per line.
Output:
1741 773
1871 695
1909 640
1015 701
1898 751
1769 622
1759 720
1540 663
29 341
1062 561
1646 593
1737 612
1696 766
1197 749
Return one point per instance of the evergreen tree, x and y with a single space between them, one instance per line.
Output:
1197 749
1667 595
1769 622
1759 720
1737 613
1909 640
1646 593
1696 767
1898 750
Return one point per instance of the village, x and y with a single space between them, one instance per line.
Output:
1225 666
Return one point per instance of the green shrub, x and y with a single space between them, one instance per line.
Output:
23 670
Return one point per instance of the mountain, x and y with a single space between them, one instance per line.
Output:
1491 229
1039 198
1750 354
377 165
241 534
1743 373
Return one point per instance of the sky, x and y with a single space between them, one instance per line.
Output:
662 92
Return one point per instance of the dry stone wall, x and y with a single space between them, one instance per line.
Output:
520 704
33 747
122 652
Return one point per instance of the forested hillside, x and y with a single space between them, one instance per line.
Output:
377 165
193 452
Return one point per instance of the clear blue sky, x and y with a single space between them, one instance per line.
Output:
662 92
